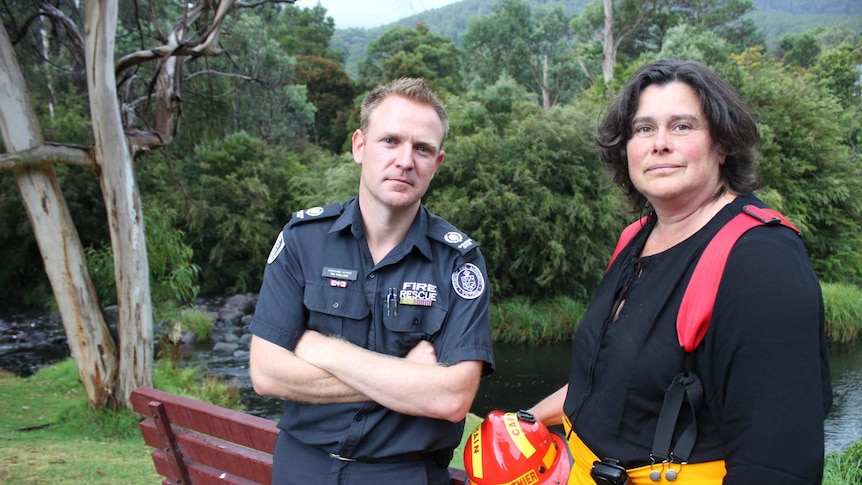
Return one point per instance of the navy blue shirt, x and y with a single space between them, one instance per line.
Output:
431 286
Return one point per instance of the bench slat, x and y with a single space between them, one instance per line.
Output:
201 474
197 448
227 424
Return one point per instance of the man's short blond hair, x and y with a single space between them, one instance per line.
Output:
414 89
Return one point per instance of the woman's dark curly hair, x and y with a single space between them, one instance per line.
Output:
731 125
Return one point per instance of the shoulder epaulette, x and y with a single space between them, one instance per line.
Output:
315 214
442 231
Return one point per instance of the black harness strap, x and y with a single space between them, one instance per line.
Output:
686 387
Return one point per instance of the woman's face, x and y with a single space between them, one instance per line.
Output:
672 159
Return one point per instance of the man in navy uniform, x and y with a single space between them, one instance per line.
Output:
372 322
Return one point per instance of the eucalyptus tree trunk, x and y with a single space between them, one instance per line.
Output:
609 47
109 374
113 159
90 341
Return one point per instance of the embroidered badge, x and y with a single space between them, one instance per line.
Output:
276 248
415 293
468 281
453 237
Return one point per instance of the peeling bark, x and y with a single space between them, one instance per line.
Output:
90 340
113 157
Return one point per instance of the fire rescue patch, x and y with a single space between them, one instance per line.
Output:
468 281
415 293
276 248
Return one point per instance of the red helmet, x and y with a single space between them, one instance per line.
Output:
515 449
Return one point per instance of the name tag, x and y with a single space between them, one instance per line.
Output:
339 274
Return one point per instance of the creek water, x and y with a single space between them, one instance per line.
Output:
524 374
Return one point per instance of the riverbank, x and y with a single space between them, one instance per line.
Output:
47 435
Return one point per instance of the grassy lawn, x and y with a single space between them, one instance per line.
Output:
48 436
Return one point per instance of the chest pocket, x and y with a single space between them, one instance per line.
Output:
334 309
412 324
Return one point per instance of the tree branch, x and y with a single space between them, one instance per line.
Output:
261 2
68 26
48 153
204 45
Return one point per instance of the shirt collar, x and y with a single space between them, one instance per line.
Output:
417 236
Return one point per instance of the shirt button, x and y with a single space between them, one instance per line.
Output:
415 322
372 276
358 417
335 304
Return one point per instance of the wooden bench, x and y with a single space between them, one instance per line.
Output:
200 443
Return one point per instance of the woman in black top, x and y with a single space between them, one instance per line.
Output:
682 146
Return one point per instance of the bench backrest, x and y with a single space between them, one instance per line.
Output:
199 442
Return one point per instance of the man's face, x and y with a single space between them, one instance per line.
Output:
399 153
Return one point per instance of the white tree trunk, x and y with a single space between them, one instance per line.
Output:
90 341
546 89
609 50
114 163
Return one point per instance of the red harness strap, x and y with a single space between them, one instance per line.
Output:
699 298
692 322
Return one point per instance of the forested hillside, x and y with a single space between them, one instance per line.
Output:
774 19
808 7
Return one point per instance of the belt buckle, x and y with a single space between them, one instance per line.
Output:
338 457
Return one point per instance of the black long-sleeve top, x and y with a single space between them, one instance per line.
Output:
763 362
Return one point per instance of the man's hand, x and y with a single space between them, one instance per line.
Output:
306 346
422 353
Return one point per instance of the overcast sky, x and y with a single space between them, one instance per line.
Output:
371 13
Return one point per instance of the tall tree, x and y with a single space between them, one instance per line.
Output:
526 183
110 372
532 46
627 28
402 51
63 256
332 92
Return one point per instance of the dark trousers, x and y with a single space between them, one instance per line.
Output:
294 463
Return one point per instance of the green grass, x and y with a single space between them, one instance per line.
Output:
843 312
844 468
521 321
47 434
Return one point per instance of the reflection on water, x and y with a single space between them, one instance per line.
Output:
844 423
